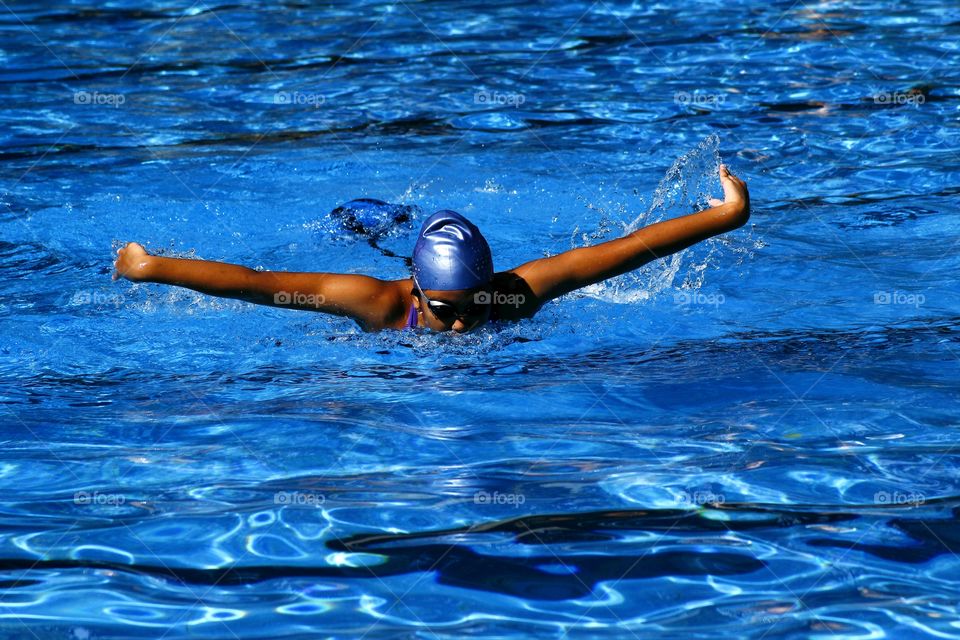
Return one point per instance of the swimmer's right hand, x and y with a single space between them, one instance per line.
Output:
735 193
131 262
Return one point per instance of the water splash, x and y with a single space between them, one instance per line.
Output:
685 188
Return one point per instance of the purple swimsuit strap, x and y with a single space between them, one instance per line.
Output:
411 317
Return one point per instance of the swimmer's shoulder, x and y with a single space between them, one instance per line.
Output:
513 297
394 301
372 303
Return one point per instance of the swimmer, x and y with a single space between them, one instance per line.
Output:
453 285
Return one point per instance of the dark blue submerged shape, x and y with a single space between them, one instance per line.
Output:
373 218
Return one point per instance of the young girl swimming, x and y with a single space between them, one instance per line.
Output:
453 285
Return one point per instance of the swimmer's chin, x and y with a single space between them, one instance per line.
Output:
471 329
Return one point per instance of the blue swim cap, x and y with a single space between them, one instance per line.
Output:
451 254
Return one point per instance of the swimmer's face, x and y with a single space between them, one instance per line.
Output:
461 311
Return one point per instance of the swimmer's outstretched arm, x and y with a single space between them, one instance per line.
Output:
367 300
549 278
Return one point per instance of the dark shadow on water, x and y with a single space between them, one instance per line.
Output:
931 538
457 564
451 553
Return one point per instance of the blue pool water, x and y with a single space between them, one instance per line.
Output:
754 439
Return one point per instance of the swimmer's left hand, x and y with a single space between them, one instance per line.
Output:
131 262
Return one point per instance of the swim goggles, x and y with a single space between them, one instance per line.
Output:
446 312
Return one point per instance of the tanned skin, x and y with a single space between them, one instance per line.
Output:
383 304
